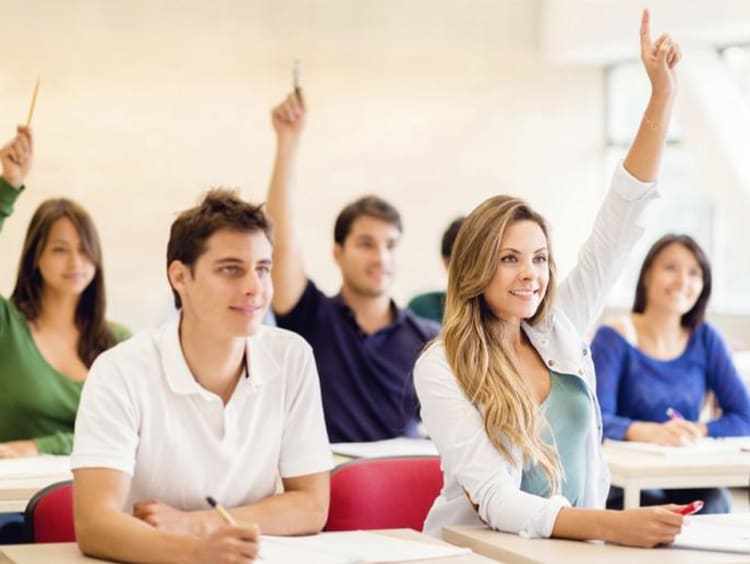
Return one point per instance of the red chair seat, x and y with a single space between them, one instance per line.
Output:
383 493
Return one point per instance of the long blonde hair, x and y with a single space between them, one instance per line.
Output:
473 337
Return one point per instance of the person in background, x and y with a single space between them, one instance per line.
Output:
365 346
432 304
655 366
53 326
213 403
508 389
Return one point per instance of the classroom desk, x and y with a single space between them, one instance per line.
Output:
514 549
634 471
21 478
68 553
15 493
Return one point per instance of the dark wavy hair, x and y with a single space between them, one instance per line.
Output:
94 335
697 313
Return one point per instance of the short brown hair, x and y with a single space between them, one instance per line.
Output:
220 208
449 237
371 206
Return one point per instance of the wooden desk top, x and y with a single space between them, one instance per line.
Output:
633 464
68 553
21 478
15 493
514 549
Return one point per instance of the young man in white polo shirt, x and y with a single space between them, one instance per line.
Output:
211 405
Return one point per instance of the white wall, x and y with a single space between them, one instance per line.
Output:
435 106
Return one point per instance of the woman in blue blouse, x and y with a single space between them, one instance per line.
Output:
662 359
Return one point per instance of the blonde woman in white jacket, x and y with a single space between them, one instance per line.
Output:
508 389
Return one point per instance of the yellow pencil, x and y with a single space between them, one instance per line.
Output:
33 103
221 511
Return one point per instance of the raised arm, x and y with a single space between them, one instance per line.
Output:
619 222
16 157
659 58
289 277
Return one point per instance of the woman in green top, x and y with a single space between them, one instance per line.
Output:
53 326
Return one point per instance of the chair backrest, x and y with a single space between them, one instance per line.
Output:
384 493
49 514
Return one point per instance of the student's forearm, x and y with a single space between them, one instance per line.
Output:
583 524
280 202
645 153
289 513
118 536
288 269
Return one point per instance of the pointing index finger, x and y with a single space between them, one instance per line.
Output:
645 30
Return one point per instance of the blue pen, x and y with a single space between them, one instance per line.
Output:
672 413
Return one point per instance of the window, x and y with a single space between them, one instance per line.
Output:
686 205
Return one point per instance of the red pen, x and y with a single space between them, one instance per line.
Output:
691 508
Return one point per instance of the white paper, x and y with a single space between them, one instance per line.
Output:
714 536
351 547
400 446
702 447
35 467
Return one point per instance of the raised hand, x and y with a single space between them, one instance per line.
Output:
660 58
16 157
288 118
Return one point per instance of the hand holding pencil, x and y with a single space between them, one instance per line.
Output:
17 154
230 543
16 157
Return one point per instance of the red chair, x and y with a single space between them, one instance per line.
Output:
49 514
383 493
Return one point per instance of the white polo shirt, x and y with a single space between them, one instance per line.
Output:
143 413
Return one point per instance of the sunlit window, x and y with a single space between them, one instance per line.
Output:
686 205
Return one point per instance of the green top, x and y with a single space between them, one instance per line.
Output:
567 409
37 402
430 305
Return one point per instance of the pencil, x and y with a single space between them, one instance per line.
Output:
33 103
295 78
223 513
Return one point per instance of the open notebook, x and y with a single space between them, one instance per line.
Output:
706 446
721 537
351 547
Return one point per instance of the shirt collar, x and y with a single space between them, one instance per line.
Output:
261 363
399 315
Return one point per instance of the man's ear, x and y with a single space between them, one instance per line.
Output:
177 272
338 250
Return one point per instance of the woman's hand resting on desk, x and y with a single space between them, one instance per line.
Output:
676 432
18 449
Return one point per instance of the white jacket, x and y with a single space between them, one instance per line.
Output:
469 460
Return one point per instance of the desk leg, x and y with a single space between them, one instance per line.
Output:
632 497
